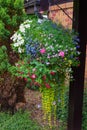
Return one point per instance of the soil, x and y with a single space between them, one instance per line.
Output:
33 104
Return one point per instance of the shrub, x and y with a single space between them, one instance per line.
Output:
4 63
11 15
11 91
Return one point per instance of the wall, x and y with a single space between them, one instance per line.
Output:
58 16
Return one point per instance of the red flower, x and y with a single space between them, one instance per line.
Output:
25 79
78 65
21 72
44 77
37 84
47 85
52 73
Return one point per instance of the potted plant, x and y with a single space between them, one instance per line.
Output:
47 51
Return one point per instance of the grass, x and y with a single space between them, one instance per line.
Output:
18 121
22 120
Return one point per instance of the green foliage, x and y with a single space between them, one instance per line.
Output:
3 32
62 111
11 15
46 52
4 62
62 108
18 121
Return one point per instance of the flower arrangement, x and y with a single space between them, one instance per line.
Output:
47 51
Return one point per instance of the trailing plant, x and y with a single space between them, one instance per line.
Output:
47 51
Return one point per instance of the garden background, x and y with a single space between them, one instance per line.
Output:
10 85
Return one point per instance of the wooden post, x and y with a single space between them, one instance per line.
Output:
44 5
77 86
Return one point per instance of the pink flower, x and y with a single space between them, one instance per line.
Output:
33 76
62 54
42 51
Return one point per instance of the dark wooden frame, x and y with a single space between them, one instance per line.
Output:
77 86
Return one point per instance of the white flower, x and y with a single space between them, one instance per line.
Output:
14 37
20 50
48 56
38 106
47 63
27 21
54 103
27 26
22 29
16 64
46 44
45 16
19 37
55 55
40 20
16 44
20 42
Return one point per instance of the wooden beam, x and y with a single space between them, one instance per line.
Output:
77 86
44 5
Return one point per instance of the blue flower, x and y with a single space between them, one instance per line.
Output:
76 40
32 48
28 48
77 46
